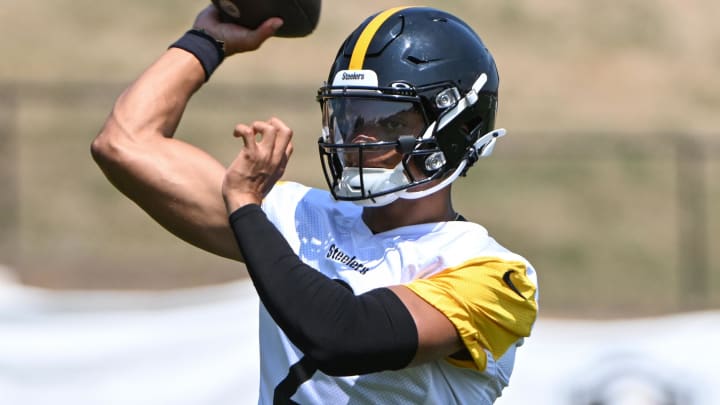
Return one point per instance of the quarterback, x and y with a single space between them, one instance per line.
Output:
376 291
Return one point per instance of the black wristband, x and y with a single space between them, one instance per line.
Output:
208 50
342 333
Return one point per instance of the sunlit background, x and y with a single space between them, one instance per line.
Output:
606 182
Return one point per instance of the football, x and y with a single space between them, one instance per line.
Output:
300 16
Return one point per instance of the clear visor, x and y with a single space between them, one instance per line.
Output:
356 120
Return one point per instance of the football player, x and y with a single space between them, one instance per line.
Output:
377 291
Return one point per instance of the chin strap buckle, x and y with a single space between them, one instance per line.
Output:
485 145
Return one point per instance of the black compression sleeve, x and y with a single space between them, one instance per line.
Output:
345 334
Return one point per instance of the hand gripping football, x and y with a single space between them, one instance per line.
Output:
300 16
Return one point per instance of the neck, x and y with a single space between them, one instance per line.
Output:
436 207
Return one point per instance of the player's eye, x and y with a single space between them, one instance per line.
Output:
392 125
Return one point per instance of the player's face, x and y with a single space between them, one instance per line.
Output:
366 122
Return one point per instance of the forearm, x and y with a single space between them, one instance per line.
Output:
343 333
155 102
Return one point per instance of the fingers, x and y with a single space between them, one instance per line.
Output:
283 136
270 129
259 165
236 38
289 150
268 28
208 19
275 139
240 39
283 144
247 134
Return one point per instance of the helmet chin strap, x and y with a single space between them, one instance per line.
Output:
482 148
468 101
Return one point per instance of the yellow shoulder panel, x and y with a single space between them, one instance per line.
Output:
490 301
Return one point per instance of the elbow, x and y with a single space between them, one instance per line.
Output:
336 364
339 360
112 152
345 364
109 146
102 149
332 356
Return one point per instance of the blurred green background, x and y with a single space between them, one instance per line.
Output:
606 182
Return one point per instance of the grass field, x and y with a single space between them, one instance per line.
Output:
590 185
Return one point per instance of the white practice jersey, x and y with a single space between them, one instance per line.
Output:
488 292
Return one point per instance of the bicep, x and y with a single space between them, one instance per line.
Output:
176 183
437 336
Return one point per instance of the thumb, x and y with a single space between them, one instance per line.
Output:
249 40
269 27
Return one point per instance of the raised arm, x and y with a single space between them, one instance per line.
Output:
176 183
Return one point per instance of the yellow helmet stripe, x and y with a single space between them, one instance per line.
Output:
363 43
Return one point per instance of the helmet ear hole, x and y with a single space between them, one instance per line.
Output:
472 128
428 159
435 161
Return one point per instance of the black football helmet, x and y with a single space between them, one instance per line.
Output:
411 98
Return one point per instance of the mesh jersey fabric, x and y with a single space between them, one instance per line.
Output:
331 237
